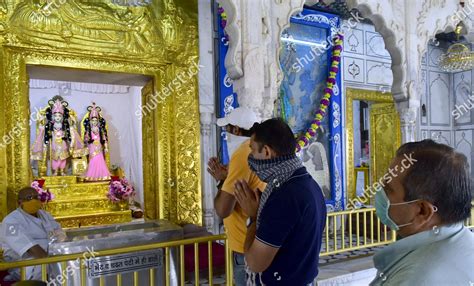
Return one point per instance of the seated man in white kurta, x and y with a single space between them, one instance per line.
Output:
26 233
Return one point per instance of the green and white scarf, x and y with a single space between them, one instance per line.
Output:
275 172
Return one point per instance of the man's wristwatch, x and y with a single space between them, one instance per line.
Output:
249 222
220 184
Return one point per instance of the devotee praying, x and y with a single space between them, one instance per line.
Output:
426 204
26 233
238 124
286 223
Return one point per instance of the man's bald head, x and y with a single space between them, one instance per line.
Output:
26 194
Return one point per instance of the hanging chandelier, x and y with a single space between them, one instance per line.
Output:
458 57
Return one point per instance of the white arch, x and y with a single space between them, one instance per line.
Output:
405 25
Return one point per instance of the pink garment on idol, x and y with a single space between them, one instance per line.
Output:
61 164
97 169
59 150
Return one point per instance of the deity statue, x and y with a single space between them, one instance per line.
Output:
56 133
95 136
171 24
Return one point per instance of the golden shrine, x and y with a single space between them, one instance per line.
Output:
158 40
79 204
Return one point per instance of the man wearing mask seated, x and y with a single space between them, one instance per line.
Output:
426 200
26 233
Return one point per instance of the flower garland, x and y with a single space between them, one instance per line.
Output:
328 92
44 195
223 15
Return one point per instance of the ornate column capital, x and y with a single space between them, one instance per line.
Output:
408 120
252 61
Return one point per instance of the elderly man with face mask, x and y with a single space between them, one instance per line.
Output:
426 199
26 233
237 124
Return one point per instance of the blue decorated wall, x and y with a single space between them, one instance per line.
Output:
306 48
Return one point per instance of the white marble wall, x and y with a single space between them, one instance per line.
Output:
366 62
447 100
464 125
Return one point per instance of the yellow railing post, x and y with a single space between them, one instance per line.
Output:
83 272
135 278
43 272
335 232
152 277
196 264
228 263
209 254
167 266
119 279
181 264
63 270
343 230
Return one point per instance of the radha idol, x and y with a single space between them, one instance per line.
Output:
95 136
56 133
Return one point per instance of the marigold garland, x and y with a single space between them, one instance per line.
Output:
304 139
223 15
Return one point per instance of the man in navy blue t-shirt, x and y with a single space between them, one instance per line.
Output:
286 223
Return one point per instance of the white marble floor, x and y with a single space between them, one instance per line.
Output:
348 272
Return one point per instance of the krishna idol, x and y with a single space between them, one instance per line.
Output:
57 136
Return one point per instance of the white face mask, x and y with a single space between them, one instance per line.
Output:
234 142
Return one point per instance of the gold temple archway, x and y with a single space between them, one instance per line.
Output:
384 140
158 40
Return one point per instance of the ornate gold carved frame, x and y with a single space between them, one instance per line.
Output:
366 95
171 131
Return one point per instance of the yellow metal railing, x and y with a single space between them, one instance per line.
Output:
167 246
345 231
354 230
358 229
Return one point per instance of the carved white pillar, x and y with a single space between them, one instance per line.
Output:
408 122
208 183
245 63
254 29
207 111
